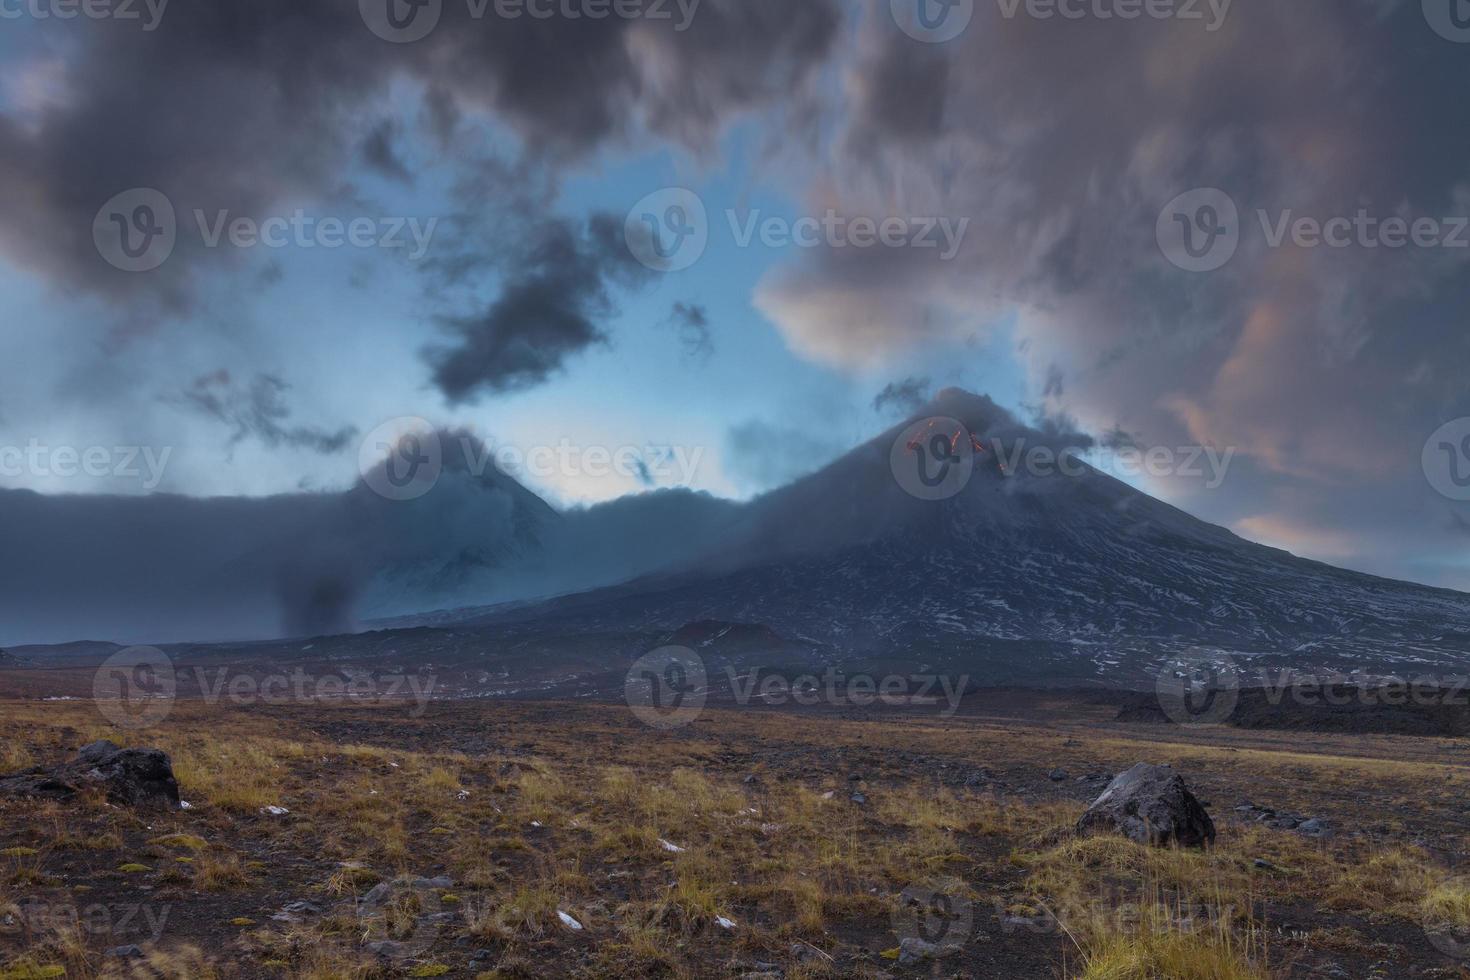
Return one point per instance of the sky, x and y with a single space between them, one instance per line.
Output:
1099 213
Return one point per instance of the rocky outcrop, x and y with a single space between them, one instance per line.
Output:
130 777
1150 805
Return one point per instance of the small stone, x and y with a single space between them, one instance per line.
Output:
914 950
296 912
387 949
803 953
376 894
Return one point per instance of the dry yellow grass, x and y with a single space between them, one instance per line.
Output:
1161 951
648 849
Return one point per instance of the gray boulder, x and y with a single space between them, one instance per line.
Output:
1150 805
130 777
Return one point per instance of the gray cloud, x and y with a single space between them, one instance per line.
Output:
297 88
547 311
380 152
1119 438
1063 143
1056 383
691 321
259 410
903 397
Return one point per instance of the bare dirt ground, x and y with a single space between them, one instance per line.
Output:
558 839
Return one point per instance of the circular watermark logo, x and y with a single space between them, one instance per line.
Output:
1199 230
932 21
936 912
1445 917
1447 459
406 915
934 458
668 230
135 688
136 231
1449 18
402 459
401 21
667 688
1199 687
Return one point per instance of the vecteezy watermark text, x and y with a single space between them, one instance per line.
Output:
301 230
669 687
137 687
1449 19
1201 230
1204 687
669 230
833 230
940 916
138 230
935 459
1446 459
1211 13
148 13
299 687
403 459
111 920
937 21
406 21
836 688
37 459
1364 688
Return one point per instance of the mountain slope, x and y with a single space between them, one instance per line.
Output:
1017 574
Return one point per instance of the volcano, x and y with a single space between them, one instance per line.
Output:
1016 576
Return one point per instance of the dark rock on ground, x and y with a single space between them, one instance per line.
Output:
388 949
131 777
976 779
295 912
1306 826
1151 805
1313 828
913 951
